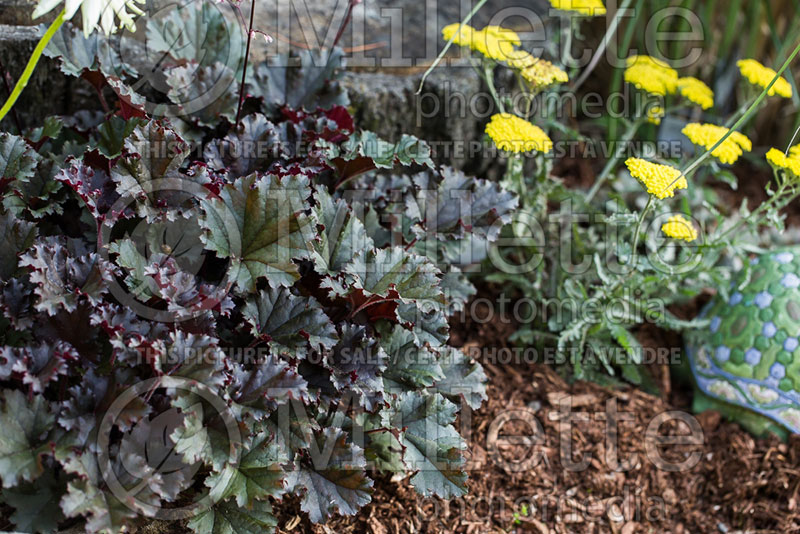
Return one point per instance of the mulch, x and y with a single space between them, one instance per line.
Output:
737 483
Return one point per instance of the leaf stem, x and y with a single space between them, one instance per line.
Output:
639 225
612 30
32 61
612 162
447 46
488 72
246 61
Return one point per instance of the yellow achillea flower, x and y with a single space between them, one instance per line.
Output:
655 114
758 74
503 34
660 180
520 59
651 75
513 134
696 91
678 227
790 163
649 61
544 74
590 8
493 42
463 34
707 135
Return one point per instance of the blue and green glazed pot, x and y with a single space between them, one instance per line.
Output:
746 363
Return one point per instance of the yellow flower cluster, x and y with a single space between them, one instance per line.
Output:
589 8
651 75
650 61
520 59
655 114
678 227
660 180
758 74
707 135
790 162
696 91
513 134
544 74
463 34
494 42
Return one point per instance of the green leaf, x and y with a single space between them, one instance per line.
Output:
290 323
410 366
258 222
208 93
356 365
112 134
302 80
257 475
381 154
24 422
384 451
458 205
432 445
230 518
462 378
198 32
334 479
627 341
457 289
342 236
33 196
78 52
36 504
429 326
16 236
149 172
396 273
261 386
49 130
64 271
17 159
88 496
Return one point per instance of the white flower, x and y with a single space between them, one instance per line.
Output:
104 12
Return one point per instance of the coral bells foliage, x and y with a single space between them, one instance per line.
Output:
195 334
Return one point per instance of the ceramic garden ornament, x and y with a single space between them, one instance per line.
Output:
746 363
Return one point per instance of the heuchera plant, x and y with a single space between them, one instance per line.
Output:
199 318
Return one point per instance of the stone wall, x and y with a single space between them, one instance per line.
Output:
391 43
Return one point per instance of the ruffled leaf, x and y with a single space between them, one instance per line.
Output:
258 222
26 423
230 518
431 444
333 479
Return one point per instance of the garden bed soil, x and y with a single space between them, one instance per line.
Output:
739 483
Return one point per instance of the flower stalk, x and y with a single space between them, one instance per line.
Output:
32 61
